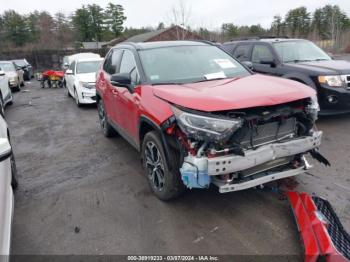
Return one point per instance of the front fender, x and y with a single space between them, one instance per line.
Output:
300 78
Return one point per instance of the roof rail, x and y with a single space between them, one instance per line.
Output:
273 36
206 42
258 38
133 44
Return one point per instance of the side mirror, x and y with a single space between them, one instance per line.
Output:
66 65
2 73
248 64
69 72
270 62
121 80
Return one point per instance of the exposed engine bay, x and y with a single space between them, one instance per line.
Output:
240 149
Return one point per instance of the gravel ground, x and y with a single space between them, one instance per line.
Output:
81 193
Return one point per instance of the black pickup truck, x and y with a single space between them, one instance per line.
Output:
302 61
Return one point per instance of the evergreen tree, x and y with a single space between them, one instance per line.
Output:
115 18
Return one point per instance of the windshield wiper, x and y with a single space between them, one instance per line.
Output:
166 83
212 79
298 61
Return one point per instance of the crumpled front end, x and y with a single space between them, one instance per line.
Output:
241 149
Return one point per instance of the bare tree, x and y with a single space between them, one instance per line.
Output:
181 16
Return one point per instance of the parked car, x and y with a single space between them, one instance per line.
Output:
67 60
302 61
5 92
26 67
8 183
14 74
80 80
199 117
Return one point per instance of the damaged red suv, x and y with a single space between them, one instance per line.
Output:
200 118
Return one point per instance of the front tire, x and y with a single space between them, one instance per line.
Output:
165 183
76 98
107 129
2 109
14 182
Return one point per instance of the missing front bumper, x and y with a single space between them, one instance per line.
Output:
233 163
257 165
265 178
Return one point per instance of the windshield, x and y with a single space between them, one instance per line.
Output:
88 67
20 63
186 64
7 67
300 51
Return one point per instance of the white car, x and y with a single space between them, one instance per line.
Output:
67 60
14 74
8 182
5 92
80 80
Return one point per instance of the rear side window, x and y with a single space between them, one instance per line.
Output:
260 53
112 61
242 52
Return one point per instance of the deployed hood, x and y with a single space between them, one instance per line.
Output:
89 78
331 67
228 94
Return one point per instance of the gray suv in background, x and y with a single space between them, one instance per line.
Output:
298 60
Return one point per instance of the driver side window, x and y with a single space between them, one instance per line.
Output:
112 61
72 67
261 53
128 66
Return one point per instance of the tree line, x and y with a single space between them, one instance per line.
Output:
328 22
45 31
41 30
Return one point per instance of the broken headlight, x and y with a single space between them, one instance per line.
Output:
313 108
206 128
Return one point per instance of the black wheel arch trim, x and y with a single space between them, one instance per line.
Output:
160 129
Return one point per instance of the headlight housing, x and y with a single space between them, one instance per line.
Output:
87 85
313 108
333 81
12 79
206 128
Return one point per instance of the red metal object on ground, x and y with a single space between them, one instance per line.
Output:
321 231
53 73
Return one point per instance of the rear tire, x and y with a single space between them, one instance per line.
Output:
165 183
67 92
107 129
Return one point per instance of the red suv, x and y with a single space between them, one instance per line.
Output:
201 118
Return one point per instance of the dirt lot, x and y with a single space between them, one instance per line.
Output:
81 193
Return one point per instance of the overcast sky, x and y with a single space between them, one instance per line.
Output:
207 13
